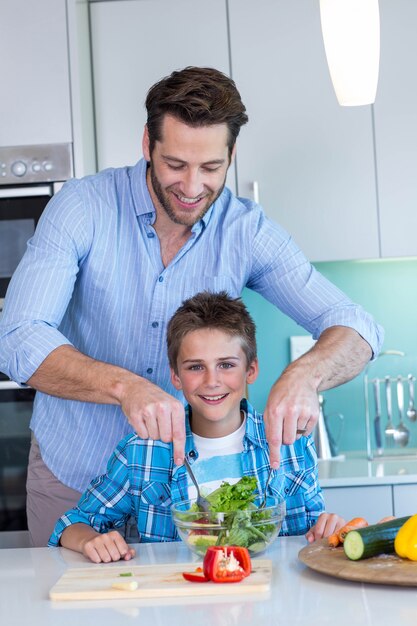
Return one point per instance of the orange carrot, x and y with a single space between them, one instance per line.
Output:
334 540
353 524
389 518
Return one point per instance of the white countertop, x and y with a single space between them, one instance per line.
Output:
298 596
354 469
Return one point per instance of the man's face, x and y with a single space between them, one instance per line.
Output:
188 169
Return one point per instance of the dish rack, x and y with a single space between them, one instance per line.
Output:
390 369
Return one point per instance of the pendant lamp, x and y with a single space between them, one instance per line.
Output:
351 35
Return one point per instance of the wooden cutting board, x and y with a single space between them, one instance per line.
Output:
385 569
95 583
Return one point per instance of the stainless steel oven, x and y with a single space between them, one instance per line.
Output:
29 177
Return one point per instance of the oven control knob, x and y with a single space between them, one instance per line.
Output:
36 167
19 168
47 166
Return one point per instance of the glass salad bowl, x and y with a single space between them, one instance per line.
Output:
253 528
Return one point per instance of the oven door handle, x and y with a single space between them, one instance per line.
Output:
10 384
32 190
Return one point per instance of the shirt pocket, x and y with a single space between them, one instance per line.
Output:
157 495
290 484
154 514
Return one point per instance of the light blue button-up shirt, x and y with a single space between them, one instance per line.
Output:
93 277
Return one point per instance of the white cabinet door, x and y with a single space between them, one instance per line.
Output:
135 44
396 128
313 159
405 500
372 503
34 76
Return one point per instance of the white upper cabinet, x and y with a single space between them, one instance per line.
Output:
136 43
316 164
396 128
312 159
35 103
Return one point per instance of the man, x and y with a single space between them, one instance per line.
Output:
113 257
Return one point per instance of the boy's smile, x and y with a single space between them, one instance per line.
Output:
213 373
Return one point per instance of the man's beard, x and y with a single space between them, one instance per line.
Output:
165 203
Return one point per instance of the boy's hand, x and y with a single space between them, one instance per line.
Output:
106 548
326 525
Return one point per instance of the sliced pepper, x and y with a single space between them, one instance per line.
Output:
195 577
405 543
226 564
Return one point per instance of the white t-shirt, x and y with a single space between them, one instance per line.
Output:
218 461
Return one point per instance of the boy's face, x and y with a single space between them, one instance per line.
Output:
213 373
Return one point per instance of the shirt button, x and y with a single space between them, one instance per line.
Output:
149 370
155 324
150 235
191 454
161 278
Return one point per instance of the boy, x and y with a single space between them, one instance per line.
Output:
212 356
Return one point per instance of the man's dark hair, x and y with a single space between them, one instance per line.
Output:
211 310
197 96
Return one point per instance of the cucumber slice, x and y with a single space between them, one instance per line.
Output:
202 541
259 546
372 540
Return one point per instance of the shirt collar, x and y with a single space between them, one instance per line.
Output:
140 193
142 199
255 432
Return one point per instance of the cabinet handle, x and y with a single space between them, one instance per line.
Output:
255 188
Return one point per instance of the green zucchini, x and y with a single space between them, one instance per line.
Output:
372 540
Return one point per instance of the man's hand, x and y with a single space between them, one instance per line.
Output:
326 525
152 412
338 356
292 405
155 414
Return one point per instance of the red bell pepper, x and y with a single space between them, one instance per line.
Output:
195 577
226 564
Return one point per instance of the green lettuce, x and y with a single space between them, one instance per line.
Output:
239 496
248 526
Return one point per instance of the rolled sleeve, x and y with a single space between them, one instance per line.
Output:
106 504
28 347
284 276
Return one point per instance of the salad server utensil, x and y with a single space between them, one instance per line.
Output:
411 411
202 502
402 434
377 418
268 480
389 427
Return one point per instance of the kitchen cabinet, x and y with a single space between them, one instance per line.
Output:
405 500
46 94
371 502
134 45
35 96
339 179
396 128
312 159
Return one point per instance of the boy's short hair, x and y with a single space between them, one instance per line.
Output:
197 96
211 310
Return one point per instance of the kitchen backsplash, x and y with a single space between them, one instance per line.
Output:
385 288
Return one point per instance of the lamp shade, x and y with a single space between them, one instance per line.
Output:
351 35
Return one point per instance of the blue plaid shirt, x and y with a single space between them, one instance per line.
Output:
143 481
